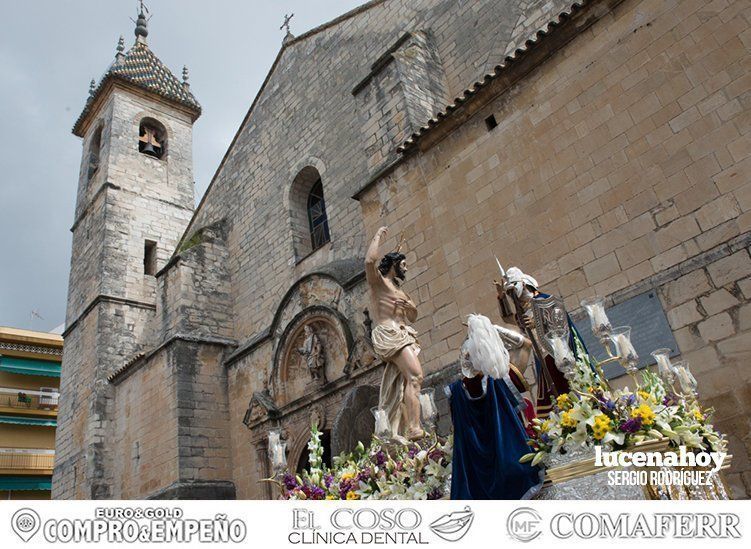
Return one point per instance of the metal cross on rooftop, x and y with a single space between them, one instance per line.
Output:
285 25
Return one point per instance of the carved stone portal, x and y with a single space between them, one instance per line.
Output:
315 347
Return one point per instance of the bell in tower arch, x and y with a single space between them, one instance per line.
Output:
150 141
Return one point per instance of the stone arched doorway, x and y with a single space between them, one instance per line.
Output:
354 422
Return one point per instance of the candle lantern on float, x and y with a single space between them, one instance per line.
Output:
428 410
382 428
277 451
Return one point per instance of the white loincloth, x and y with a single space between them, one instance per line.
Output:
388 340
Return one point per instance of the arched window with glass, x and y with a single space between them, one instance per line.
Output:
309 220
317 219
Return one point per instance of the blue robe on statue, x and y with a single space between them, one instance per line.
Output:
489 439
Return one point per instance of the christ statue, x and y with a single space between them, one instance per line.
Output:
394 339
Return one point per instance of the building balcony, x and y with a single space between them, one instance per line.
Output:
26 461
38 403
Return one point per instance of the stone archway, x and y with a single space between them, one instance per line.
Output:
354 422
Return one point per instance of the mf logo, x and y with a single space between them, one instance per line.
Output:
524 524
303 519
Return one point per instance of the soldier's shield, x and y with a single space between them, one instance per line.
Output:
549 314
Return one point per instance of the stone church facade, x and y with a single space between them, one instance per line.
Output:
603 146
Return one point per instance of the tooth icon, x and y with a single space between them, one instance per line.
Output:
25 523
453 526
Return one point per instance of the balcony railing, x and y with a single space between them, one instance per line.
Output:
44 399
26 459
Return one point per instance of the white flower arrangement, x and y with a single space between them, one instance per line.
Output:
420 470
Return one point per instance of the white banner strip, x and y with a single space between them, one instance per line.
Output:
329 523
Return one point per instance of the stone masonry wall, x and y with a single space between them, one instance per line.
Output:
307 115
145 420
620 163
709 310
194 294
403 89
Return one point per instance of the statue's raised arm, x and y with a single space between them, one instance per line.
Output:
372 256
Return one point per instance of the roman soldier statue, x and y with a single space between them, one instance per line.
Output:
528 302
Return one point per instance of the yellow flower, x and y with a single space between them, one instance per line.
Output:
567 420
645 395
563 401
545 425
645 413
698 415
348 476
601 427
330 497
352 495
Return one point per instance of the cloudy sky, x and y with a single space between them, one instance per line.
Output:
49 51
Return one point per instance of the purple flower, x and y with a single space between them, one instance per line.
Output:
328 478
631 426
435 494
317 493
289 481
412 451
544 438
436 454
379 458
344 487
364 475
607 404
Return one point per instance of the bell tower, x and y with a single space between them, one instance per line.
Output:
135 197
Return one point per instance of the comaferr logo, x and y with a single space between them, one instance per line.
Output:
658 525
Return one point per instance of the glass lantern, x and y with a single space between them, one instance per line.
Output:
428 410
564 357
277 451
382 424
595 307
627 356
664 367
686 380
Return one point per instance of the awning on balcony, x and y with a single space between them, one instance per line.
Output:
18 420
26 483
29 366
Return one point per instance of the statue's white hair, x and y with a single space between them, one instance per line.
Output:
486 350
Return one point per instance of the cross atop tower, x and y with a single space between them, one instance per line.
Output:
285 26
